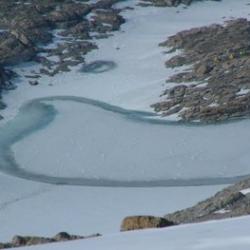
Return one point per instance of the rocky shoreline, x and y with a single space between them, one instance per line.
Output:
27 29
216 85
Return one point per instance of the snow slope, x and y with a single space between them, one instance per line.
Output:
100 144
229 234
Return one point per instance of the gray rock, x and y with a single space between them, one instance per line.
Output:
20 241
227 203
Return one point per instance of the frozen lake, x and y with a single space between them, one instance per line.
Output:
78 141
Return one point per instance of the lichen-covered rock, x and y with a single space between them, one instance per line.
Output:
143 222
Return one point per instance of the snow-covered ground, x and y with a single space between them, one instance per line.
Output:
31 208
229 234
34 208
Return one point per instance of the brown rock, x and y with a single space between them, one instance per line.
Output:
62 236
143 222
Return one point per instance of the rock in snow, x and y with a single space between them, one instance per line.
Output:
142 222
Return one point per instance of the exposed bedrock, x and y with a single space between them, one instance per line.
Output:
216 84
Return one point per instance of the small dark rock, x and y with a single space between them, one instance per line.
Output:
33 83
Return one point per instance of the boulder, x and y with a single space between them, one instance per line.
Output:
62 236
143 222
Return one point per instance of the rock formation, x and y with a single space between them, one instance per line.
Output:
216 86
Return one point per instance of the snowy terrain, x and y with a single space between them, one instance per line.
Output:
229 234
36 208
30 208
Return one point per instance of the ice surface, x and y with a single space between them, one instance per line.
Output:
89 141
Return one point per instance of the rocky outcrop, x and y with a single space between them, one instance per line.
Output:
143 222
216 87
20 241
106 20
27 27
230 202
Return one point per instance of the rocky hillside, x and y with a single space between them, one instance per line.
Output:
27 27
216 84
230 202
